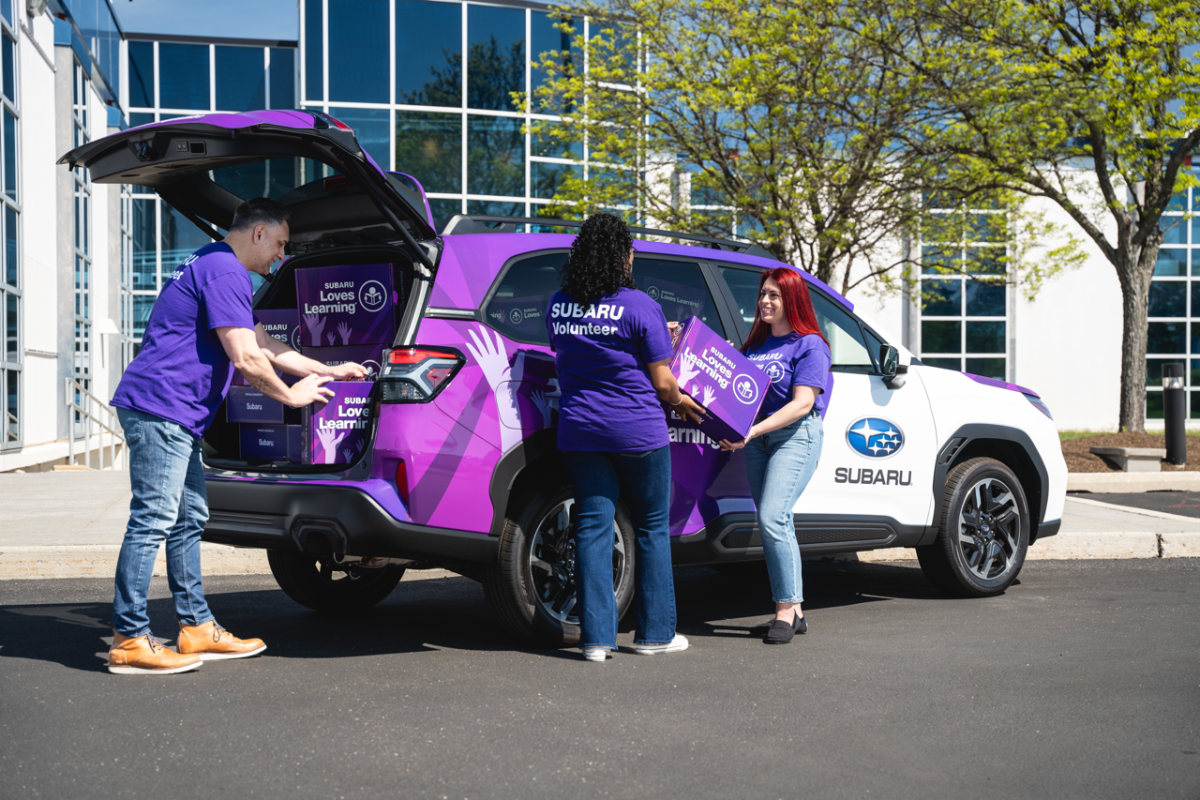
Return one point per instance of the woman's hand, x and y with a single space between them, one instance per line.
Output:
688 409
738 445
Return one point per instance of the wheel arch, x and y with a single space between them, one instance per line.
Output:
1011 447
534 456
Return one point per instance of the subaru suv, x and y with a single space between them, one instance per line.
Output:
460 467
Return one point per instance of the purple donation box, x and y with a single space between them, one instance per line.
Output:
266 442
348 305
719 378
336 432
282 324
245 404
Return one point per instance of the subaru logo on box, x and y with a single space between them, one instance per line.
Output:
874 438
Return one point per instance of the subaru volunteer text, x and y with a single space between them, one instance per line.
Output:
447 456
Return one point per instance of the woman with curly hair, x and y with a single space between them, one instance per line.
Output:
612 351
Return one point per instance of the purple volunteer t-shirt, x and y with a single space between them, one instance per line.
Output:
182 372
789 361
608 404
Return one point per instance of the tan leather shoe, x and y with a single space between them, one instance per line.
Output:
210 641
145 655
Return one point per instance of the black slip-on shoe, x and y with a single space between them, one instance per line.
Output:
761 630
781 632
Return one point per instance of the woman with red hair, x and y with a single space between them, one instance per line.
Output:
784 444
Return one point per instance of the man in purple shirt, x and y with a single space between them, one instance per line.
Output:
200 330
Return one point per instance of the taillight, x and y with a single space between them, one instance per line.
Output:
402 481
417 374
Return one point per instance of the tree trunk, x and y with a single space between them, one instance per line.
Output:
1134 274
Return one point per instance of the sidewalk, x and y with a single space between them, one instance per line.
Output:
70 525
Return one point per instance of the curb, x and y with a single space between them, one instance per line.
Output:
1082 546
1123 482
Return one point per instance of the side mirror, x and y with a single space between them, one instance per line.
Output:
889 364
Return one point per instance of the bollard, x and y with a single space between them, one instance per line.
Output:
1174 413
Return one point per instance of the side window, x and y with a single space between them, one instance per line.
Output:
846 343
517 309
743 283
679 288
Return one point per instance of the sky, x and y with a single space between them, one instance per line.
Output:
236 19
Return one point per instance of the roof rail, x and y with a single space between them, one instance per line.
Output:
478 223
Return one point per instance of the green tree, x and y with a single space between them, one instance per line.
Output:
1094 106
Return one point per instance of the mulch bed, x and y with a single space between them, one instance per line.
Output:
1075 451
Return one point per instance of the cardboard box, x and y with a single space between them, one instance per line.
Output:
245 404
336 433
282 324
720 378
369 355
346 305
266 442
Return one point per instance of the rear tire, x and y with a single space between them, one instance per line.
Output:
984 531
306 580
531 585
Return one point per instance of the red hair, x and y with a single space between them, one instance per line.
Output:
797 307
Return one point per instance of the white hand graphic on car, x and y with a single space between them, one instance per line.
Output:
344 331
493 360
543 404
315 325
330 439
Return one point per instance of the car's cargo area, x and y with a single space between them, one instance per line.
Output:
333 309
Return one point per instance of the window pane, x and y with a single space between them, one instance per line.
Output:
985 337
545 179
180 238
10 246
846 344
679 288
496 58
358 51
985 299
1168 298
12 420
145 259
11 327
517 309
543 144
1166 337
743 285
430 147
1195 405
943 363
6 10
443 210
986 260
1154 405
1154 370
314 59
1195 337
371 129
241 78
140 118
987 227
142 304
10 155
941 298
495 155
940 260
941 337
546 38
498 208
428 53
1171 262
183 72
1174 230
6 54
283 77
987 367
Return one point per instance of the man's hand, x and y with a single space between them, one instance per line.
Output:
310 390
347 372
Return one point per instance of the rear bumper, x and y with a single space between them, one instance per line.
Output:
322 519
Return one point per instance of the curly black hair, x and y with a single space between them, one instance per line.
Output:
596 266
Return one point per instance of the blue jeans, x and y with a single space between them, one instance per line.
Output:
169 502
643 481
779 465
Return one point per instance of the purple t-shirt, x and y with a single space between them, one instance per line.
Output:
182 372
789 361
608 404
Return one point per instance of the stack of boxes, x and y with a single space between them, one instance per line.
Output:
346 314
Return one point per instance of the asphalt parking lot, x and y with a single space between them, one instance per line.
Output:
1081 681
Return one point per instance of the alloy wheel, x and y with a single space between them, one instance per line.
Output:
989 529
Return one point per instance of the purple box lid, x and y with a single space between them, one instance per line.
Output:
719 378
337 431
368 355
346 305
246 404
282 324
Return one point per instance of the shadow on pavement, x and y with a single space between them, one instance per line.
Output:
427 615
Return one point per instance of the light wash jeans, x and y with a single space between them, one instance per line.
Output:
779 465
169 502
643 481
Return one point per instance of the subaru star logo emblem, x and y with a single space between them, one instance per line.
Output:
875 438
745 389
371 296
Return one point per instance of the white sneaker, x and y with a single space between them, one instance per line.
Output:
595 653
676 645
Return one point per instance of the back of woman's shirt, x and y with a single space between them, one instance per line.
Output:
608 403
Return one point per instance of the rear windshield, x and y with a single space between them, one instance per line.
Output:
276 178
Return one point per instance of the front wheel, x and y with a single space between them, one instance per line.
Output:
315 584
984 531
531 585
